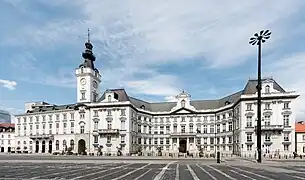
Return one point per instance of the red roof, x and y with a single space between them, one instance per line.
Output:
7 125
300 127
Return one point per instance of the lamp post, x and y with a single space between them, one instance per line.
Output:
258 39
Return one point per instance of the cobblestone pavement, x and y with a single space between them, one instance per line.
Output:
149 170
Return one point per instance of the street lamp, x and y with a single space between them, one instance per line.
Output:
258 39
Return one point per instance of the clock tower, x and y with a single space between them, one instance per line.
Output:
87 76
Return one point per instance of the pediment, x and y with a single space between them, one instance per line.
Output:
183 111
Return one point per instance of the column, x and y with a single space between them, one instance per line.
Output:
40 146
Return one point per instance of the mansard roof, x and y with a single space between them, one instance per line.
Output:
122 96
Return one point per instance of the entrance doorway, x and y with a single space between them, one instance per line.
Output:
182 146
37 147
2 149
50 146
81 146
9 149
43 149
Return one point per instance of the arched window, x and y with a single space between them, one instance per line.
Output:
82 70
64 144
109 98
267 89
57 145
183 103
72 144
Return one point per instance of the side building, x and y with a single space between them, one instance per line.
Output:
5 117
300 138
115 121
7 137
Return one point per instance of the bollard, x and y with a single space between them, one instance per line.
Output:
218 157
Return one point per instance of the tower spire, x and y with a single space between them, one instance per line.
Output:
88 35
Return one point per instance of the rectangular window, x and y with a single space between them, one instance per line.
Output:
191 128
108 139
95 113
230 126
156 141
267 106
218 128
122 125
175 128
65 116
83 95
212 129
249 137
122 112
286 120
182 128
109 125
95 139
267 120
224 127
286 136
249 147
72 116
286 105
205 129
286 147
82 129
267 138
95 125
109 112
122 139
249 121
161 129
249 107
211 140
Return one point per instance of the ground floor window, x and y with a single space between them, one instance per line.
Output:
286 147
249 147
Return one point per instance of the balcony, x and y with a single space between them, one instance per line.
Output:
108 131
271 128
185 134
41 136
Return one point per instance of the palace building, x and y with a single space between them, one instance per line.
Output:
114 120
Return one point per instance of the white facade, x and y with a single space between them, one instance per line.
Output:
300 143
116 120
7 138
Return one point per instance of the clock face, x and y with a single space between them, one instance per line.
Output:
94 84
83 81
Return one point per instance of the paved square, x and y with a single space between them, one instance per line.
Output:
149 170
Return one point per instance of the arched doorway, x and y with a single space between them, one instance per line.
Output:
50 146
81 146
2 149
43 149
37 147
9 149
182 146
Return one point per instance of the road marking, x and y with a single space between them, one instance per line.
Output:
159 176
242 175
205 171
258 175
132 172
143 174
101 172
195 177
177 172
52 174
220 172
298 177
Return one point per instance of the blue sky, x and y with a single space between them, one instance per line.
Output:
153 49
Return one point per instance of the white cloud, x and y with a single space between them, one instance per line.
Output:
139 36
11 85
159 85
289 72
170 99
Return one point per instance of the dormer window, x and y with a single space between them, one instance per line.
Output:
109 98
267 89
142 107
183 103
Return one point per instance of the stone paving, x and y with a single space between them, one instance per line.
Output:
152 170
